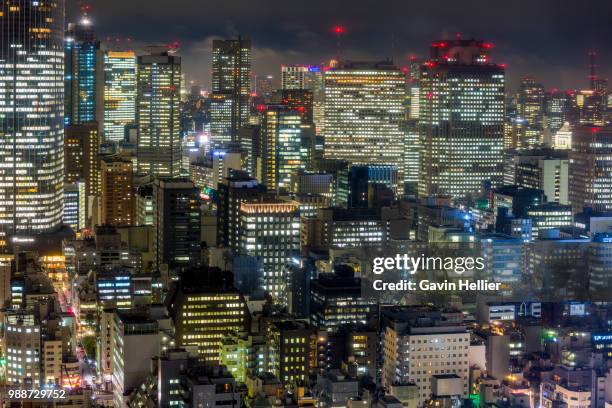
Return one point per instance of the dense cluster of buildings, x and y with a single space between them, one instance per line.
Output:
165 247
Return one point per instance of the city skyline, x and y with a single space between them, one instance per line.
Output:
355 232
547 39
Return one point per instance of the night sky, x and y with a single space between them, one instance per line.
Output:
545 38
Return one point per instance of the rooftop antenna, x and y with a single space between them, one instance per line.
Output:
593 69
338 31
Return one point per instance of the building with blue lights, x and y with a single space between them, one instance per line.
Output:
83 74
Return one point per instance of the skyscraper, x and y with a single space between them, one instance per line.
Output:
158 113
557 110
206 307
363 114
281 149
233 191
461 113
84 75
31 188
313 82
119 93
292 76
81 150
263 86
118 202
176 222
270 228
231 86
531 108
590 169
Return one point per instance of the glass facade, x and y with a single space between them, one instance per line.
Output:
82 72
119 93
231 85
282 133
31 116
271 230
461 124
157 113
363 115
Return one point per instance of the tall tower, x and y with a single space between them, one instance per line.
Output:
531 108
119 93
281 146
364 110
176 222
461 119
231 86
158 113
592 70
32 116
117 185
84 76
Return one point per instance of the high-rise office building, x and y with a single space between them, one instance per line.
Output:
364 108
81 153
292 76
557 110
32 63
461 119
231 86
281 147
119 93
233 191
84 74
264 87
589 107
75 205
205 308
543 169
590 169
158 113
176 222
411 127
300 100
118 201
335 300
313 82
270 229
531 109
420 342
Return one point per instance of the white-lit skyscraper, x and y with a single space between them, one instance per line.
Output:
158 113
461 119
364 111
293 76
119 93
31 116
231 86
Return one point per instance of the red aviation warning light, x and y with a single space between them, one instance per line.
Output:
338 29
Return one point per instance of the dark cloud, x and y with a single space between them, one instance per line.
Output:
545 38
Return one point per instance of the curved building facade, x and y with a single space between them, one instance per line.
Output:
31 117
